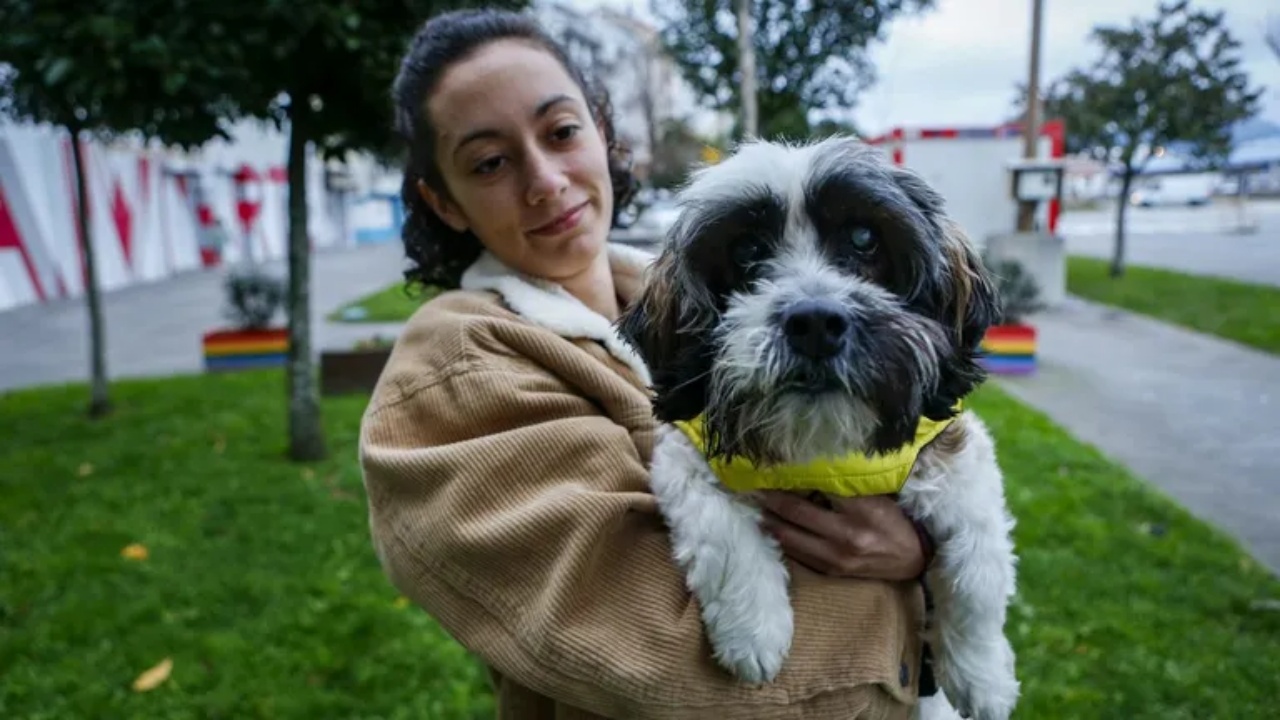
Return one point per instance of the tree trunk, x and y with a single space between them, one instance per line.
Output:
1117 256
647 107
747 68
306 434
99 400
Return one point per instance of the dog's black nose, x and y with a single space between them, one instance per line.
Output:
815 329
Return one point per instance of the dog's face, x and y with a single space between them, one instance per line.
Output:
810 301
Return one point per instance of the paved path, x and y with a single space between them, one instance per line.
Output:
155 329
1201 241
1196 416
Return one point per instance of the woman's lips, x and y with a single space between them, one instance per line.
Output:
562 224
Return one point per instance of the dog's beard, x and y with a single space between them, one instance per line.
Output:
771 405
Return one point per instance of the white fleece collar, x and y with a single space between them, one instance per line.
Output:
552 307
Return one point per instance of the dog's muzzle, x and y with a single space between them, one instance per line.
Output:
817 334
816 329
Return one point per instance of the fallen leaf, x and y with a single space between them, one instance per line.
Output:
152 678
402 602
308 474
136 551
86 469
219 444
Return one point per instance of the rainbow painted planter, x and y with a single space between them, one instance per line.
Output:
229 350
1009 350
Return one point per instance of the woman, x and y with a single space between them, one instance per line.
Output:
505 448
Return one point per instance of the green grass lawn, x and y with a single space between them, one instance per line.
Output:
260 583
391 304
1243 312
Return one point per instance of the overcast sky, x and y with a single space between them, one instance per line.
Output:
957 64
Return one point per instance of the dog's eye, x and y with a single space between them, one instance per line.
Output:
748 251
862 239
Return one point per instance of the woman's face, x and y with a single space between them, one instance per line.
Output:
525 165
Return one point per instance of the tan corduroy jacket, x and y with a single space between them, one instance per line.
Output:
505 453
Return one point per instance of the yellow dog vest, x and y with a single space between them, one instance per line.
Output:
852 475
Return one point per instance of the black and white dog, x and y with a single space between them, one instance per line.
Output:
815 301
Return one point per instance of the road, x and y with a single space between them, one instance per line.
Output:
1202 241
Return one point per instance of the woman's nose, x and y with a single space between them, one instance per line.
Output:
546 178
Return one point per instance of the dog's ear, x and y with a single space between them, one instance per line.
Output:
969 307
671 332
962 297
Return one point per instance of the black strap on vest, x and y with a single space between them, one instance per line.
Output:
928 684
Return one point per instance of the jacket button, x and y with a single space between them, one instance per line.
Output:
904 675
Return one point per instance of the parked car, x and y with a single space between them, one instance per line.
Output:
1190 189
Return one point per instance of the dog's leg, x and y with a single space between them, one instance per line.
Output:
732 567
957 491
935 707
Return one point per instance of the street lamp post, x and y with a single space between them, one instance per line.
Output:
1031 124
747 67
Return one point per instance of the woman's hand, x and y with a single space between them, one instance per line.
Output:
866 537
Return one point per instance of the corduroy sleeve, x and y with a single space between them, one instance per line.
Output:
516 512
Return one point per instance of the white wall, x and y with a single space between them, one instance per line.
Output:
151 210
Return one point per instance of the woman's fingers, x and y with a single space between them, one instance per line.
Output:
864 537
816 552
799 511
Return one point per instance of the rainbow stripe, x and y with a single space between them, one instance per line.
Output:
245 349
1009 350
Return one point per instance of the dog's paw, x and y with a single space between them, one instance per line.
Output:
752 648
981 686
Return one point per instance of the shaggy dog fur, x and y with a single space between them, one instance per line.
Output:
815 301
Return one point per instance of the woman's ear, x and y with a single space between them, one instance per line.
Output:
445 209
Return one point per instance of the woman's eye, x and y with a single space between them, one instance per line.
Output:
862 239
566 132
488 166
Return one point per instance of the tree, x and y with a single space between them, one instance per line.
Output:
1018 105
809 55
647 95
679 150
1174 78
320 69
831 126
102 68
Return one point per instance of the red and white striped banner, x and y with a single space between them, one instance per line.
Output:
152 213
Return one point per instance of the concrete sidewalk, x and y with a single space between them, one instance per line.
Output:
155 329
1196 416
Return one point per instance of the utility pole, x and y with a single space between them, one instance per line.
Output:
747 66
1031 119
1272 34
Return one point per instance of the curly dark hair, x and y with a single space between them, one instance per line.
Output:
438 254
